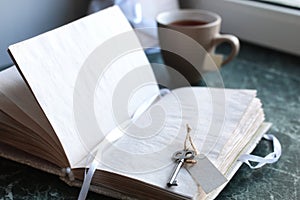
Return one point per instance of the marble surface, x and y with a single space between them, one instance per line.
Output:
275 75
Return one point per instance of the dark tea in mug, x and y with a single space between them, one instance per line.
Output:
188 23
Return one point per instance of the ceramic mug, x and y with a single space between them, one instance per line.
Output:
198 25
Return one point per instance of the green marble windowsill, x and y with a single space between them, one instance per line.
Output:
276 77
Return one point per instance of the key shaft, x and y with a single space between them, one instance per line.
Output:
172 181
180 157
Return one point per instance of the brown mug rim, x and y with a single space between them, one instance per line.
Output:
206 12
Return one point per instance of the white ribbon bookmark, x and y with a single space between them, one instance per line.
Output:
145 105
111 137
208 177
268 159
88 175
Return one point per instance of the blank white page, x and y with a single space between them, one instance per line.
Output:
54 62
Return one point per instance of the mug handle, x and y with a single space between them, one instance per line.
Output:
234 43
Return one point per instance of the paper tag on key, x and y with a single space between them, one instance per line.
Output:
206 174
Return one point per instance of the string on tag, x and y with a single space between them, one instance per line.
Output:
189 139
205 174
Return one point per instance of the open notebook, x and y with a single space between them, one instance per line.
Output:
61 108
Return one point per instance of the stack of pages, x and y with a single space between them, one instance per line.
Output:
62 108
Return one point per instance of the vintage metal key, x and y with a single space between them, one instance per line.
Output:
180 157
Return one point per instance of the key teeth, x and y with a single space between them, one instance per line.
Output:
175 183
172 184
